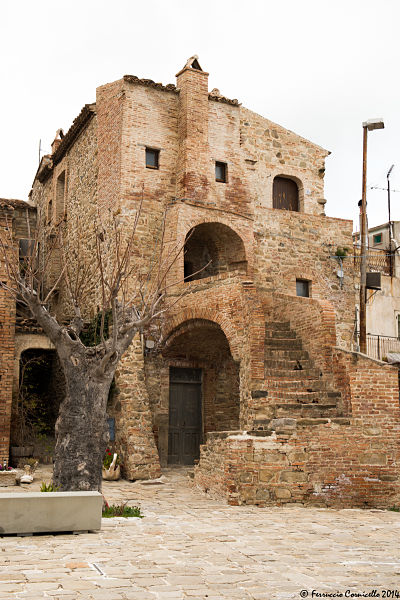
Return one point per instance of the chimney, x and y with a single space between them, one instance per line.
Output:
193 169
57 140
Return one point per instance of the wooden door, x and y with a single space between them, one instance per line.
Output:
184 434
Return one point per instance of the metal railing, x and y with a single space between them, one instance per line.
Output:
381 261
379 345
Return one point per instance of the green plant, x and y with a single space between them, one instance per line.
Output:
108 458
121 510
395 508
48 487
341 252
91 334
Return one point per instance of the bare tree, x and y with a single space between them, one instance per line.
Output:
100 267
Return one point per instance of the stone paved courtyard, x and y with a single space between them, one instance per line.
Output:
190 546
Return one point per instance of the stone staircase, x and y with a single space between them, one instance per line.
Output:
297 393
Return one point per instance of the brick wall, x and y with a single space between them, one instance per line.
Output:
13 220
326 464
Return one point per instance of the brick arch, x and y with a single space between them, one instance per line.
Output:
28 342
205 219
183 320
216 243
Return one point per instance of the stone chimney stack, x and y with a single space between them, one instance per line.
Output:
193 169
57 140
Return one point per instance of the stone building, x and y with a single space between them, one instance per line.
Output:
383 299
252 377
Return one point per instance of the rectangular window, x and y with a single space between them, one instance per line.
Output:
152 158
220 172
377 239
302 288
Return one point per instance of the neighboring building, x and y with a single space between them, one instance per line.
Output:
248 377
383 305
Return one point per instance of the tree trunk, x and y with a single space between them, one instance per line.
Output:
81 428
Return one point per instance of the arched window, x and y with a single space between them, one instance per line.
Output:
285 194
213 248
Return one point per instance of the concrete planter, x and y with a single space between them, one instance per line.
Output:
47 512
111 474
7 478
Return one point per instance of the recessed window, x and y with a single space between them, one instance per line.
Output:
152 158
377 239
285 194
303 288
220 172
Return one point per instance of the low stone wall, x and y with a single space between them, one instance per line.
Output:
328 465
321 463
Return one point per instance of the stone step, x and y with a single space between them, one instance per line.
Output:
277 374
306 410
286 364
289 343
306 385
301 397
298 396
286 353
309 421
280 333
277 326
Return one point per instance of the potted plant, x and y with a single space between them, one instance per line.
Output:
111 466
7 475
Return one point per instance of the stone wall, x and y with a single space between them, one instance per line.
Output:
270 150
130 407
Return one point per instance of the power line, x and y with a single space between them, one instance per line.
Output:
375 187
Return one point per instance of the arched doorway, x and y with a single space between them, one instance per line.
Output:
211 249
198 390
36 402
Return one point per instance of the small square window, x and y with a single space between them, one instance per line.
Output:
220 172
377 239
302 288
152 158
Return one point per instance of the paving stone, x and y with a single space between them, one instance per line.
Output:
189 546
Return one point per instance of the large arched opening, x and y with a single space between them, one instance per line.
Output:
212 249
193 388
36 403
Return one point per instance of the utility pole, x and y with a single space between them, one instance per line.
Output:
367 126
391 257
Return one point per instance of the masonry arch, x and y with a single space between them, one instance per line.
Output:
39 392
199 381
213 248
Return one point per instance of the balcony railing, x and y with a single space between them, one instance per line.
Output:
381 261
378 346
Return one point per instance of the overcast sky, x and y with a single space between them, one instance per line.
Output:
317 67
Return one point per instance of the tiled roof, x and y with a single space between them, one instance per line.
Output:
87 112
170 87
